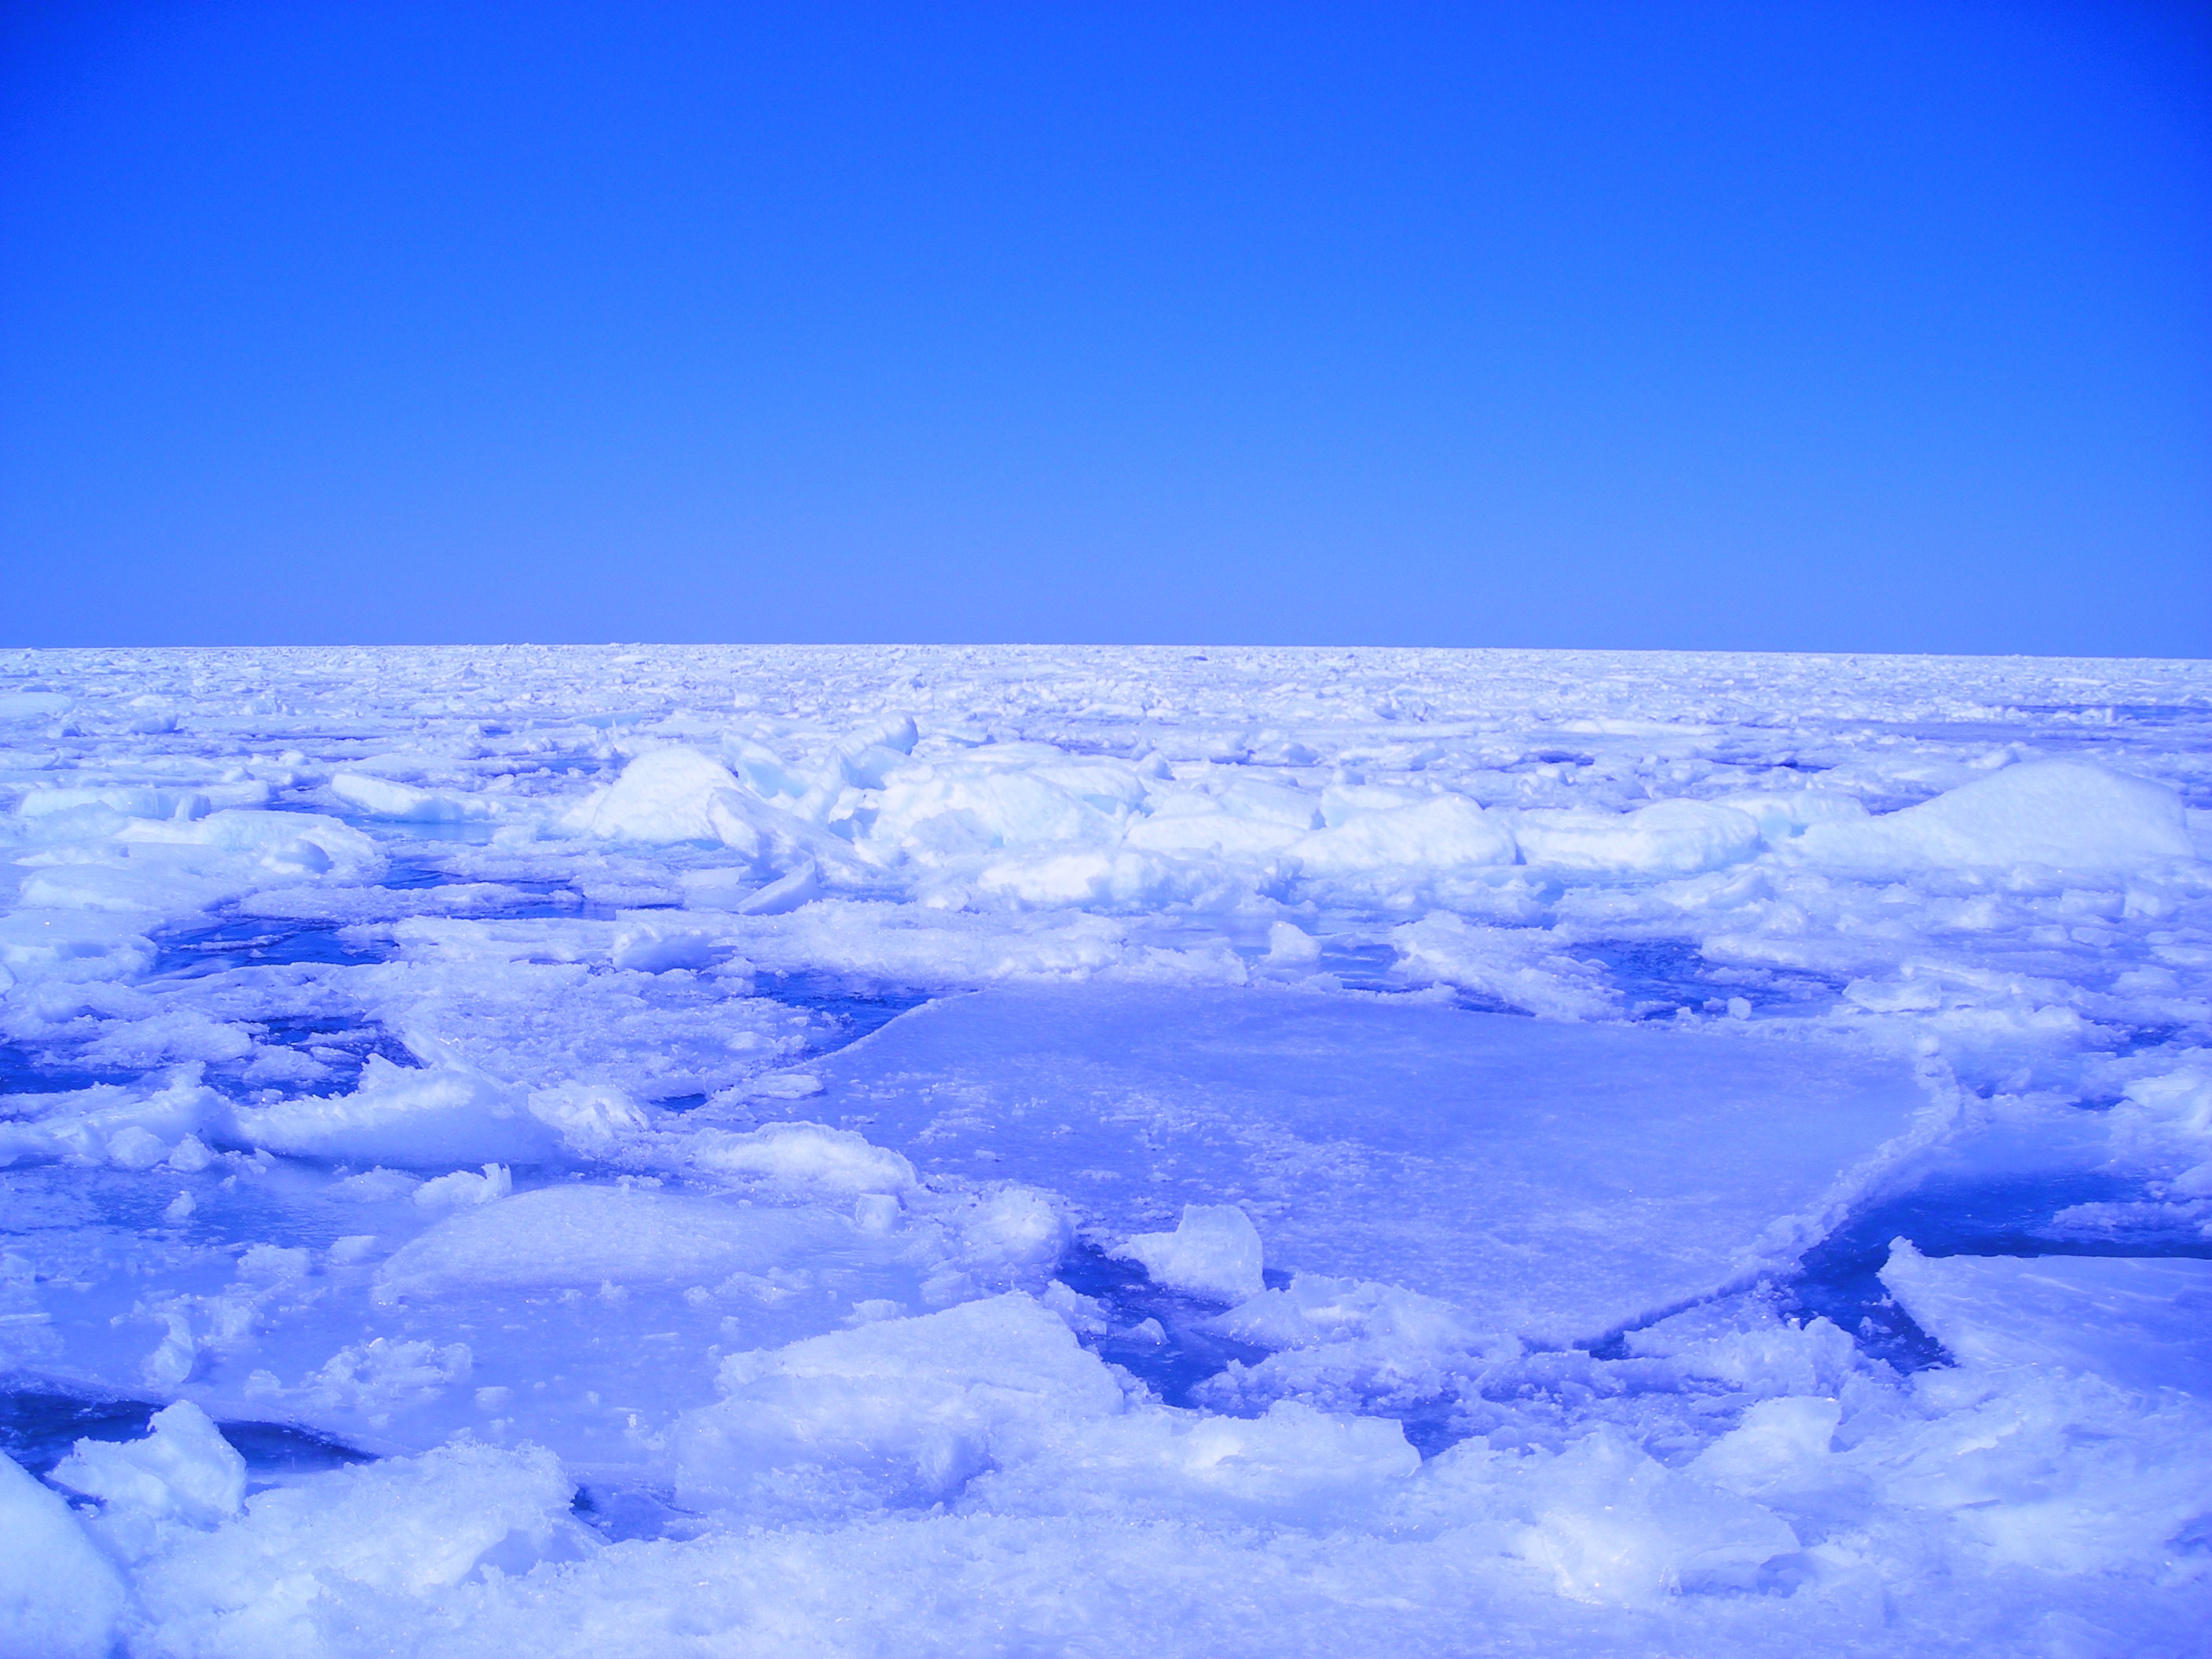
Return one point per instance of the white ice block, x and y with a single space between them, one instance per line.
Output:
2143 1322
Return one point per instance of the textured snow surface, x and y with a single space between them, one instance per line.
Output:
656 1151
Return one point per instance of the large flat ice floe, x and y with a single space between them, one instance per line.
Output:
2142 1322
1554 1181
909 1151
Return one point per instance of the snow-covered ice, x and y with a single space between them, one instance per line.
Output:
1557 1180
1001 1151
2145 1323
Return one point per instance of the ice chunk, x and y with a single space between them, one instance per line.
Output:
142 803
651 947
158 867
900 1411
1290 946
32 705
680 794
784 1085
132 1147
376 1376
59 1597
764 770
1442 833
1238 818
2164 1124
2049 1470
551 1023
668 795
588 1236
1348 1343
1667 838
980 803
804 1155
1612 1525
1554 1179
1010 1234
1115 879
1212 832
433 1118
1523 967
789 892
1757 1355
591 1118
1784 813
1293 1465
2064 813
107 1124
380 798
287 843
374 1186
400 1528
2177 1103
2142 1322
1315 1309
184 1468
74 945
1213 1252
461 1187
1780 1444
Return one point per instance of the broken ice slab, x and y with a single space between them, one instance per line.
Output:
1558 1181
2142 1322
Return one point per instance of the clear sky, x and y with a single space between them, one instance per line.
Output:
1857 326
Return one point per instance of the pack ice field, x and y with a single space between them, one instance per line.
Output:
933 1150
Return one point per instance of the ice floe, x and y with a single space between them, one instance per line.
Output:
905 1150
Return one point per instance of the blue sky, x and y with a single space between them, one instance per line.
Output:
1850 326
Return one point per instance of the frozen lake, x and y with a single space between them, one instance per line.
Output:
1037 1150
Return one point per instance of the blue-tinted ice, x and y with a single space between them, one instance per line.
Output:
912 1151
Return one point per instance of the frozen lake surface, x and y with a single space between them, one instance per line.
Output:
902 1151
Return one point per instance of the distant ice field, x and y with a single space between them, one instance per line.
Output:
909 1150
